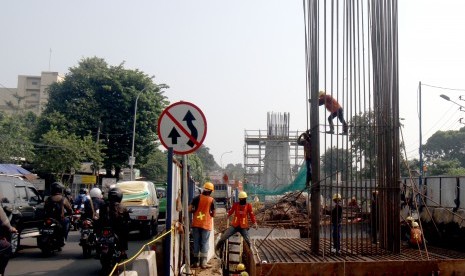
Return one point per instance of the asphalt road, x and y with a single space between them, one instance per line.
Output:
69 261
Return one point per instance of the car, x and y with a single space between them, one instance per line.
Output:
161 194
140 197
24 207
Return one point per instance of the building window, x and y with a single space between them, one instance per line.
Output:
34 83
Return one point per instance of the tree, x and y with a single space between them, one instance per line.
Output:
446 145
446 167
364 143
336 160
99 100
156 167
15 137
208 161
196 168
62 152
235 172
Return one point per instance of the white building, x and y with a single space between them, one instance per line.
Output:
31 94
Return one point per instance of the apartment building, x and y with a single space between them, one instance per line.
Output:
31 94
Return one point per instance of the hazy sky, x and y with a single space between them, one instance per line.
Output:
236 60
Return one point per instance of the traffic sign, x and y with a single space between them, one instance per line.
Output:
183 127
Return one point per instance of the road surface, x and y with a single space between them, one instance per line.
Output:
69 261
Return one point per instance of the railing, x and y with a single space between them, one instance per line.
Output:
130 260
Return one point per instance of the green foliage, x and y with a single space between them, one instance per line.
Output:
445 167
196 168
336 160
156 167
207 159
63 152
446 145
95 98
15 137
235 172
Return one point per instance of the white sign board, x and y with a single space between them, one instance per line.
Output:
183 127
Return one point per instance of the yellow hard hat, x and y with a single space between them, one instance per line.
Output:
242 195
410 218
337 197
240 267
244 273
209 186
321 93
415 224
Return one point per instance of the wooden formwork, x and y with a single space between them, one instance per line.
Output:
293 257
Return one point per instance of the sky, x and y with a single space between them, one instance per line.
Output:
235 60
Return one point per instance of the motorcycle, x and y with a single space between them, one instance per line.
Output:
110 252
76 217
88 240
51 236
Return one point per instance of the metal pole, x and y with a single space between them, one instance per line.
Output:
132 159
185 213
420 149
221 158
168 218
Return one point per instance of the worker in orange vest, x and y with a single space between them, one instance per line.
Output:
242 212
203 209
335 110
416 237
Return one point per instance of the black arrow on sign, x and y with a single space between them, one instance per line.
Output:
189 118
174 134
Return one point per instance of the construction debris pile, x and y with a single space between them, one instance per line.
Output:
289 211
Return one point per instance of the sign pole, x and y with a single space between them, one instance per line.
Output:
185 213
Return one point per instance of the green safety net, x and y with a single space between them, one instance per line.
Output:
297 185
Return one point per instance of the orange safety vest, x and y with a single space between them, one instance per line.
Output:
415 236
202 217
240 215
330 103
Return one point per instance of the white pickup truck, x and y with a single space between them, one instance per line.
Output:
140 197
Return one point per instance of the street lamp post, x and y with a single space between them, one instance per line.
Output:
445 97
132 159
221 159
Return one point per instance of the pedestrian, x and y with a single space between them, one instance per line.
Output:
305 141
374 217
203 209
335 110
5 246
336 221
416 236
242 213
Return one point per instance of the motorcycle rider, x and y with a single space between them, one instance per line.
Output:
5 247
55 207
82 198
116 216
92 207
69 196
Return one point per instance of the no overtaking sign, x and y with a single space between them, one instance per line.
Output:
183 127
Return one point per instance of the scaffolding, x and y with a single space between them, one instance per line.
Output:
272 157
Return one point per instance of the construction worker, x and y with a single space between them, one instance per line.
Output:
416 237
336 220
335 110
242 212
240 269
203 209
306 141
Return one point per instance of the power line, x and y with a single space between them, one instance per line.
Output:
444 88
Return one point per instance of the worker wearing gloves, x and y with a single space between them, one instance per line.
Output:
242 212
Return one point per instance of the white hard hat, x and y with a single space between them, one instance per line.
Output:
96 192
